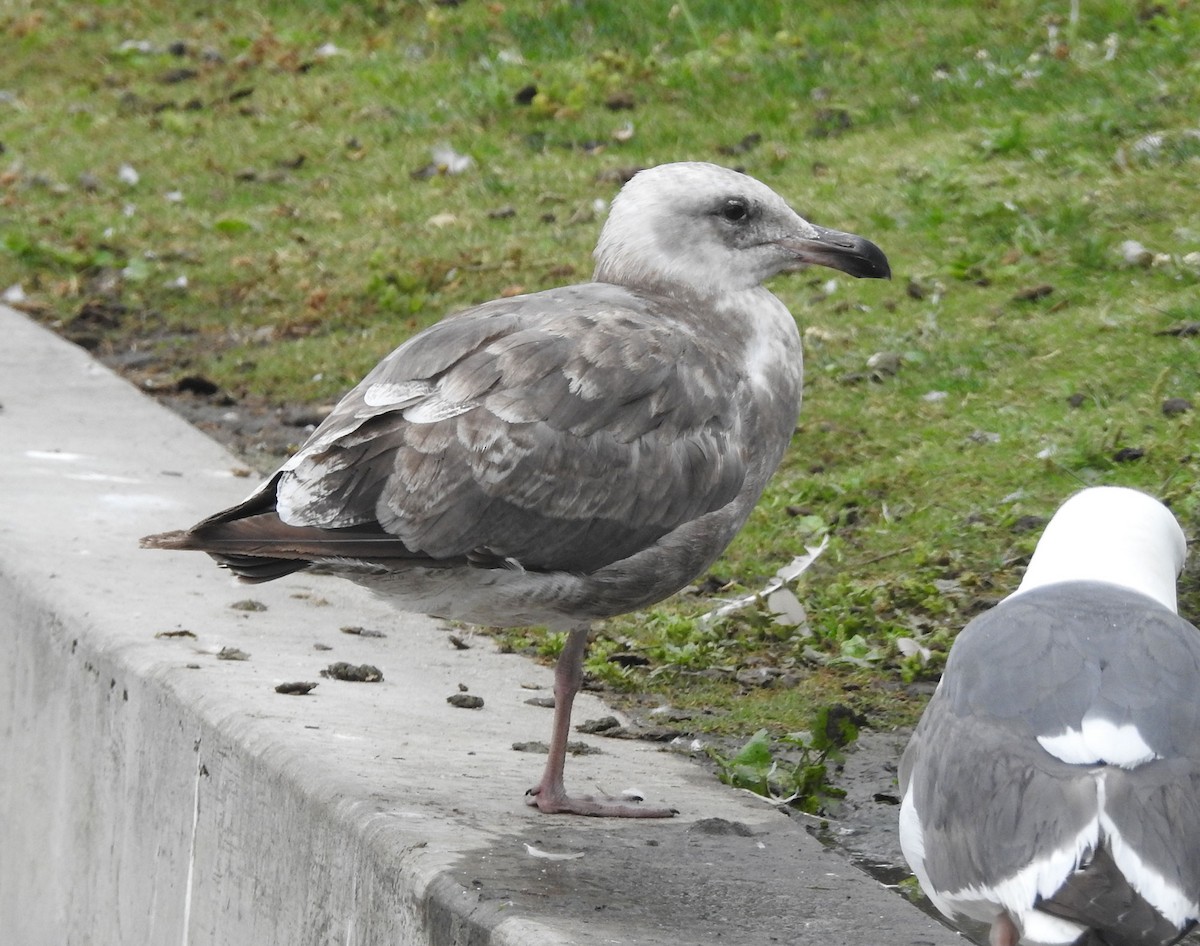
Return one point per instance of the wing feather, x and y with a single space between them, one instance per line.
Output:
555 429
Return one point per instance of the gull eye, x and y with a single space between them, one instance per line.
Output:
735 210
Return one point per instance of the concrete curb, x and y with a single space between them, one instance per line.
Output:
154 793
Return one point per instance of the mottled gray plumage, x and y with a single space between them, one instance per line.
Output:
567 455
987 801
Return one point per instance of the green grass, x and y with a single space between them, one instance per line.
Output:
989 148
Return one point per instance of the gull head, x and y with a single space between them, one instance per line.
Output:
703 230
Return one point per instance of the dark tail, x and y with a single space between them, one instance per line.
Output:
1100 897
256 545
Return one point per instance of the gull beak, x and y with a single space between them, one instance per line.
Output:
846 252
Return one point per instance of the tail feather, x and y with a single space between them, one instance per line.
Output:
1100 896
256 545
175 540
254 571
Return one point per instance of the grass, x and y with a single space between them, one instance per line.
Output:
281 236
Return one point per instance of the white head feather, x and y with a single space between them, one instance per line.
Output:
1111 534
665 231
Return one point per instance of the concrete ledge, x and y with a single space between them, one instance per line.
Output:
152 793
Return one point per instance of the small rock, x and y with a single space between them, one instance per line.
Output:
1033 293
295 689
746 145
525 95
575 748
884 363
1134 254
546 702
232 653
1128 454
629 660
1176 405
1028 524
465 701
362 632
361 673
202 387
757 676
620 101
603 724
1077 400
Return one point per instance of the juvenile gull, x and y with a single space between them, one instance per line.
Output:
568 455
1052 788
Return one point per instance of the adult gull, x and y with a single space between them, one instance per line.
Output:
1052 787
564 456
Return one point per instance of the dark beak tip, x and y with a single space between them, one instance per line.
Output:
876 262
854 255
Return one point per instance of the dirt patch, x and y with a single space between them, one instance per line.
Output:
262 435
865 822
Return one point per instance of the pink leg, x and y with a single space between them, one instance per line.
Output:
1004 931
550 795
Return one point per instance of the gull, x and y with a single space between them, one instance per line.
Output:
1052 787
561 457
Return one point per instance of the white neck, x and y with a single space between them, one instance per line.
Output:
1113 535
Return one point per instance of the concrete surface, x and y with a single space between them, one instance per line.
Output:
151 793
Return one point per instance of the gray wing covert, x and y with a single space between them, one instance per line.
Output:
988 798
564 430
1047 658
